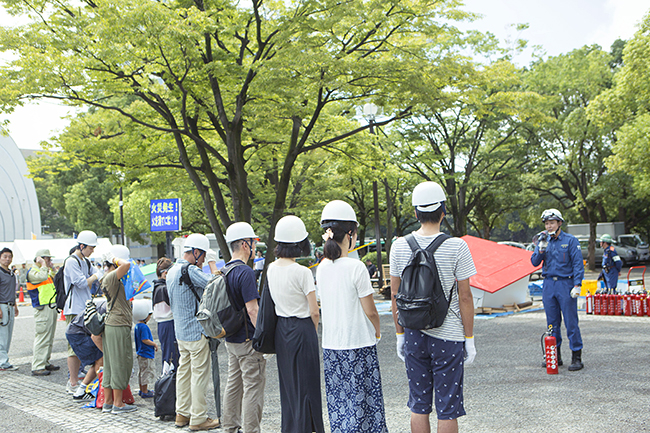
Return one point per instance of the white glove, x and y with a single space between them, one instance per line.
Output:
109 257
400 346
470 349
211 256
542 246
575 292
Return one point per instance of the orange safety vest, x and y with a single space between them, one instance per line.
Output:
46 291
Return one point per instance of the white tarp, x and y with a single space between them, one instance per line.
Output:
25 249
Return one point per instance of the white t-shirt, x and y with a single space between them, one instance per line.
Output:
454 262
341 283
289 286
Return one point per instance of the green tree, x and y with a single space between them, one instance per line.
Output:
571 148
230 88
467 139
73 196
626 107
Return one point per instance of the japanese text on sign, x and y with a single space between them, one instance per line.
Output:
165 215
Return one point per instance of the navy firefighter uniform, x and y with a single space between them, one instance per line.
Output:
563 269
612 265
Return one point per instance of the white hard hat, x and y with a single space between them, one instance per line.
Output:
141 309
240 230
196 241
427 196
121 252
552 214
290 229
87 237
338 210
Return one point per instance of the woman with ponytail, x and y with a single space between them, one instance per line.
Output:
296 340
355 400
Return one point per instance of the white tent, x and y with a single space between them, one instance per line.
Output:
25 249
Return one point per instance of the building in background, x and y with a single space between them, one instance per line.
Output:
20 216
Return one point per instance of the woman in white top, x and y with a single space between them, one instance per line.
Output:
355 400
296 341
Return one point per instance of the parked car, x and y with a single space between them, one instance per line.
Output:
635 241
513 244
628 255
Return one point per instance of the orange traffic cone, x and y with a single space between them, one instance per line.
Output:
21 295
62 317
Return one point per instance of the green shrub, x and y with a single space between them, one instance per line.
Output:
373 258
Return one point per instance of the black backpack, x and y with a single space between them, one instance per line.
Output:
421 300
61 294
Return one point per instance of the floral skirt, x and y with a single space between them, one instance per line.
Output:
355 400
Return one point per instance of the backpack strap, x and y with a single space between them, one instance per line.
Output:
433 246
185 278
69 291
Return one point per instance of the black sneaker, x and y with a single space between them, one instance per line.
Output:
85 397
50 367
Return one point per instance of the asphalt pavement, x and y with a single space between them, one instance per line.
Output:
506 389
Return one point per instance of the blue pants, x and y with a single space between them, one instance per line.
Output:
611 278
557 298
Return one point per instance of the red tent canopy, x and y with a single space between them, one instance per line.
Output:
497 265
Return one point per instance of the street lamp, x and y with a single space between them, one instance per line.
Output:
370 113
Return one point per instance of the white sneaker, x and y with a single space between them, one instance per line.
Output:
68 388
81 390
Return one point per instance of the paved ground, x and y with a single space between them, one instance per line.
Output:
506 390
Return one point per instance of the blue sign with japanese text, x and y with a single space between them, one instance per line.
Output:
165 215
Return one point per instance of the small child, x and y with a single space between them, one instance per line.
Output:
145 347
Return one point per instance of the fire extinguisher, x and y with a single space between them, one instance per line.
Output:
638 309
627 304
597 302
603 303
549 346
618 304
644 303
611 299
589 306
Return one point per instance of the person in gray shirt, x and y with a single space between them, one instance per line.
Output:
79 276
8 307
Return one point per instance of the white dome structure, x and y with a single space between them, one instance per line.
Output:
20 216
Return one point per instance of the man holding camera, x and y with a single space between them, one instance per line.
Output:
562 271
40 286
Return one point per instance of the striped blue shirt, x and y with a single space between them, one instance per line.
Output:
183 302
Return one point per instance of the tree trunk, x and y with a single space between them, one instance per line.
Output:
389 219
592 245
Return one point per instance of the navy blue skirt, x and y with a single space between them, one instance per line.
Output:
296 345
355 400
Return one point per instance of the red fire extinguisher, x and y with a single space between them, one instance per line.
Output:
611 298
597 302
638 309
627 304
589 305
644 303
603 302
549 345
618 304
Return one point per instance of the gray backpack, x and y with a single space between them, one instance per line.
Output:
216 312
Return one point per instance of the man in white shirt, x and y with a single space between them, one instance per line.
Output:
435 357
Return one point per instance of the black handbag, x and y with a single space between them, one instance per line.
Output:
264 337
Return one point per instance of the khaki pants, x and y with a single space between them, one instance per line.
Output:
44 328
192 379
245 388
